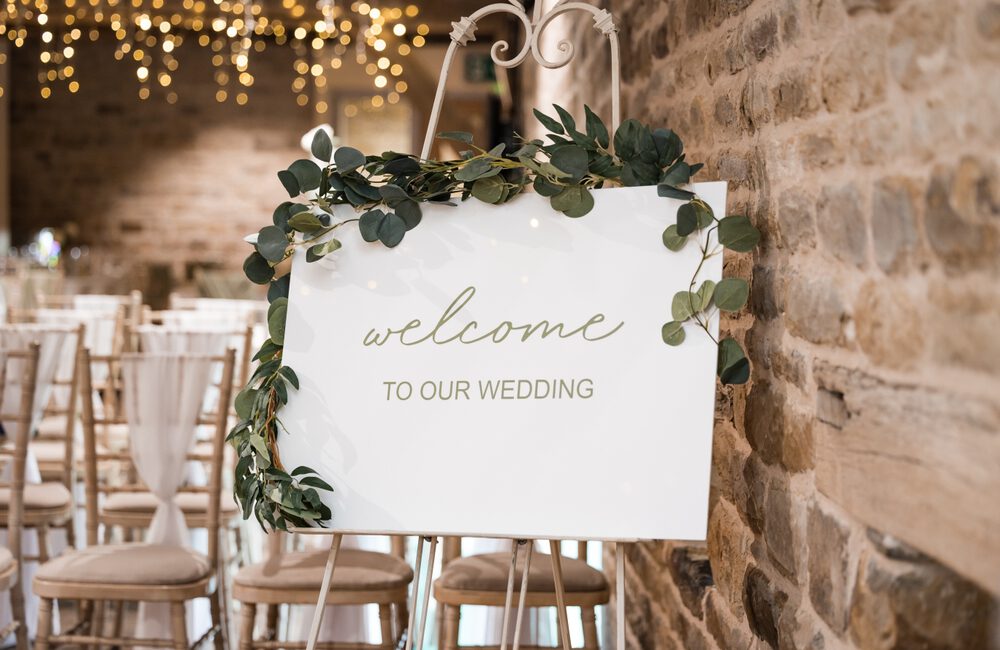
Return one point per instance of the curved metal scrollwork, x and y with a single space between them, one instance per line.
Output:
464 31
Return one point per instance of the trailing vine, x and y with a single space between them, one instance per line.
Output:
387 191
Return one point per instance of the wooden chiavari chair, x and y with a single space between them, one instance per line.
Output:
56 450
131 305
47 504
483 580
136 572
293 578
11 561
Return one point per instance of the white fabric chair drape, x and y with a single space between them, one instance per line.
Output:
51 340
177 340
163 398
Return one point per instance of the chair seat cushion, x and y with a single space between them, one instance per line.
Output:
40 496
49 451
145 503
488 572
127 564
356 570
52 426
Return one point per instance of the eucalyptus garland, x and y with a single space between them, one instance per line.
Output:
387 191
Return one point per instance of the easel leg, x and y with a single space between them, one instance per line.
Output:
324 590
416 592
523 595
514 545
427 593
620 595
556 552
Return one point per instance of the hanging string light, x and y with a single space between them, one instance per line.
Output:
148 34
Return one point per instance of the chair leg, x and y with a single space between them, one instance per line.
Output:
44 624
71 531
218 621
119 615
385 618
43 544
97 622
178 625
590 641
451 620
248 612
271 622
17 610
402 617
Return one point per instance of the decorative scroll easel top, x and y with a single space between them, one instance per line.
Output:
465 31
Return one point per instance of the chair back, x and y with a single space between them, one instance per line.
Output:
126 457
52 340
451 549
204 338
18 366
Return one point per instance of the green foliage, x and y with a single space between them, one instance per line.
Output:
322 146
387 193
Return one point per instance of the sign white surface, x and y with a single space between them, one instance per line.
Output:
469 421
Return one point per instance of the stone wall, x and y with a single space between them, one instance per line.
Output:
855 481
175 186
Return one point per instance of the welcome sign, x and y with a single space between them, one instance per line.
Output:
502 373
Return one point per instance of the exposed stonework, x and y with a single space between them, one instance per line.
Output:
855 480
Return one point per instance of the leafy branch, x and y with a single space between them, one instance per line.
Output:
387 192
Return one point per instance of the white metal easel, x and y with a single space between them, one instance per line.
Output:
464 31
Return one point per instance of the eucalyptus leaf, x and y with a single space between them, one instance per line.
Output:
566 119
572 160
307 173
244 403
687 220
673 333
488 190
704 214
731 294
276 315
737 234
670 192
546 188
672 240
393 195
458 136
322 146
410 212
348 159
279 287
596 128
678 174
574 201
705 293
290 376
369 224
682 304
733 366
289 182
473 169
627 139
391 230
257 269
305 222
319 251
282 213
549 123
272 243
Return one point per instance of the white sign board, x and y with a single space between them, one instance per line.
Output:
434 402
